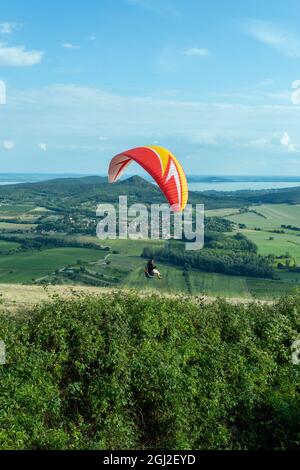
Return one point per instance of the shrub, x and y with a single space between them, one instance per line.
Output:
120 371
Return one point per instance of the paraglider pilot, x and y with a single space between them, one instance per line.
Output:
152 270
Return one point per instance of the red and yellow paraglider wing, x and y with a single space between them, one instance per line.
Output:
161 165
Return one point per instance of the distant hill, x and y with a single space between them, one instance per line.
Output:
136 181
73 192
75 180
239 179
276 196
89 191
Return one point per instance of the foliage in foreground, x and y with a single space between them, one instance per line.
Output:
119 371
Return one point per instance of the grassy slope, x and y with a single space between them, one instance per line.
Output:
7 246
15 209
219 285
127 266
23 267
16 296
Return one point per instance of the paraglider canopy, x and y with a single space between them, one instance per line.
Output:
162 165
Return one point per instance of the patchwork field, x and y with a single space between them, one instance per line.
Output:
119 264
268 216
261 224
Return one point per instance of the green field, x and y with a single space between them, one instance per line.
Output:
270 289
209 284
15 209
11 227
221 212
24 267
129 268
268 216
6 246
218 284
276 243
171 282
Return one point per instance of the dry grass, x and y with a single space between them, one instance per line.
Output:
16 296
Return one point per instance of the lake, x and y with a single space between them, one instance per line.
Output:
241 185
13 178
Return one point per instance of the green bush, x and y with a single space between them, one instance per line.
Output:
120 371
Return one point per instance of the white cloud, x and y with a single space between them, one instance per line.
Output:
285 141
8 27
167 59
159 7
68 45
170 57
195 51
266 82
260 143
205 138
8 144
217 135
258 94
275 36
18 56
42 147
273 142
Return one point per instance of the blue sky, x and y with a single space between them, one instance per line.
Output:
214 81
